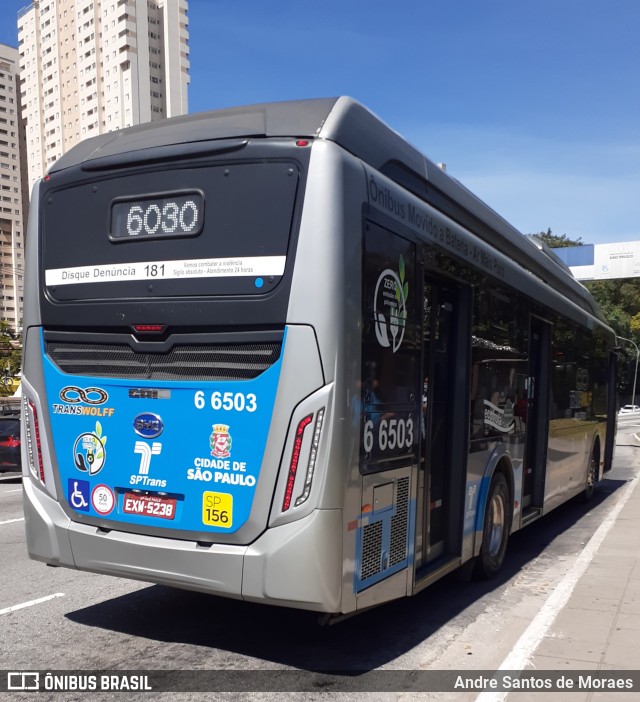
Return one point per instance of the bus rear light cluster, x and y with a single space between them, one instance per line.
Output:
295 460
149 328
312 459
34 447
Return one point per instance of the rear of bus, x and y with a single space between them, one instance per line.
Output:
179 370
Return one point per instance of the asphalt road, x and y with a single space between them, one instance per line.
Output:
77 620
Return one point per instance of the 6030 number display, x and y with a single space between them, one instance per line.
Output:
155 217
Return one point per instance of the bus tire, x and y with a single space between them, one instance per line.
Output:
495 533
592 475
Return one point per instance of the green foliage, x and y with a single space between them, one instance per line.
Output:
10 357
619 301
634 323
557 241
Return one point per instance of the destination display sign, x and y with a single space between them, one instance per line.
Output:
157 216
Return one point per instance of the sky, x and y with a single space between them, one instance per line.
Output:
533 105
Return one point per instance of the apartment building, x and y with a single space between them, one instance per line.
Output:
93 66
12 200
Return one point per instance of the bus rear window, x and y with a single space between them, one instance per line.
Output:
214 230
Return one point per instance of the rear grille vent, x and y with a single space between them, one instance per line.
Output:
385 542
371 550
188 362
400 524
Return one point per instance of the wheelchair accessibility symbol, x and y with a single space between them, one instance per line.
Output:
78 494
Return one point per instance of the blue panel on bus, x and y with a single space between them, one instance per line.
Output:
576 255
182 455
390 550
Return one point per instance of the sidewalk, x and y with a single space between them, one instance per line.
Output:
599 626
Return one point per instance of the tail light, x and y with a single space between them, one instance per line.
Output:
32 431
313 454
295 460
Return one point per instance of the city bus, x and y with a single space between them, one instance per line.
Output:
274 353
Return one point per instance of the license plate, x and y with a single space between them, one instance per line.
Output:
149 505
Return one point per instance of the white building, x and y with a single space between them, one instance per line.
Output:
11 193
93 66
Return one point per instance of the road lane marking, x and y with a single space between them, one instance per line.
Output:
6 492
10 521
532 637
40 600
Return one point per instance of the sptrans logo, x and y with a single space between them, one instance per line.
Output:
146 452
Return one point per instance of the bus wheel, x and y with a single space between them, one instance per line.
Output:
495 533
592 476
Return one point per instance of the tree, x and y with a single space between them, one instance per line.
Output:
10 357
619 301
557 241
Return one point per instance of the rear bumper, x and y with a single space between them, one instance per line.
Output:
288 565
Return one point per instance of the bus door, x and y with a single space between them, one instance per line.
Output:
537 418
445 416
612 405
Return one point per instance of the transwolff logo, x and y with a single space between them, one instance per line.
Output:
91 396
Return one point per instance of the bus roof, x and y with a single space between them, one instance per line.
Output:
356 129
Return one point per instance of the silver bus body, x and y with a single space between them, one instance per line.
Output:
408 393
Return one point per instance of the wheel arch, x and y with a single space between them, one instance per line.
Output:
595 472
500 462
596 449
